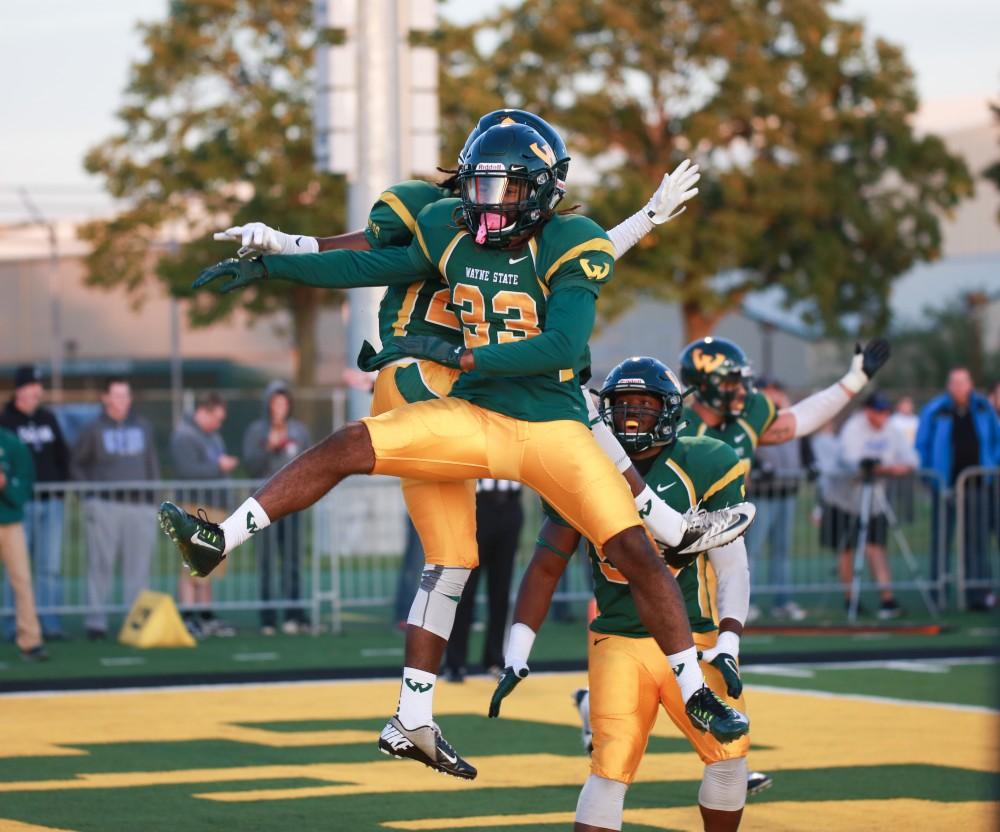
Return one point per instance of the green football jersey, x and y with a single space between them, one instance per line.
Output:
742 433
423 307
696 470
502 296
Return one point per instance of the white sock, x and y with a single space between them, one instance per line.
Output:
416 698
247 520
688 671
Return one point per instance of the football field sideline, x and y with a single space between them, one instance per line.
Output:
258 757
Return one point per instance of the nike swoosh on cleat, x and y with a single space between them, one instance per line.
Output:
448 757
199 542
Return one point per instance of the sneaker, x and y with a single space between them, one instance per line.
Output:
861 607
708 712
425 745
201 544
789 611
291 627
267 630
758 782
581 698
218 628
94 634
705 530
889 610
35 654
194 627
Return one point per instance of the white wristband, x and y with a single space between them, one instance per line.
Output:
299 244
728 642
629 231
519 643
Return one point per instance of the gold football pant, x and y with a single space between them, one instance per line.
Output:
443 513
452 439
629 679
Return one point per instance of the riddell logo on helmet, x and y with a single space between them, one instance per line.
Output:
490 166
632 381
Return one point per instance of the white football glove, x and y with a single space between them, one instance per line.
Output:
728 643
258 238
675 189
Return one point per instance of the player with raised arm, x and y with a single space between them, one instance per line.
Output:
525 282
725 405
443 513
629 677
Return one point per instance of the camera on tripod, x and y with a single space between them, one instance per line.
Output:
868 466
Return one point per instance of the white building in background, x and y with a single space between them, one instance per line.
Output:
100 327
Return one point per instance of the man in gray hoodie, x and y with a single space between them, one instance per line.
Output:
118 446
198 453
270 442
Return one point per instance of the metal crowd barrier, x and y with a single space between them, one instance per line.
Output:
975 515
348 547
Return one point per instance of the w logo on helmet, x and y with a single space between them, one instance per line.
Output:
598 272
544 152
707 363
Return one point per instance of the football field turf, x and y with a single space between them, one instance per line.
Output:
302 756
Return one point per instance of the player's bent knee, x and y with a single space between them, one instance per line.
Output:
724 785
602 803
349 449
437 598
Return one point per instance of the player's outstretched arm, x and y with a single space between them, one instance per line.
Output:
260 238
553 549
341 269
732 574
666 203
814 411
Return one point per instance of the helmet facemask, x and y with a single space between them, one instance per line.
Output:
639 427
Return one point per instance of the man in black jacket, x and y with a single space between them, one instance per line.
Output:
37 428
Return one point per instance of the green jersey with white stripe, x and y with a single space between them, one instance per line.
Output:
696 470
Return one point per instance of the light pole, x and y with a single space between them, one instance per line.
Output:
376 121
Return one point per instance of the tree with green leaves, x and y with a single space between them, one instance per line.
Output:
216 129
812 176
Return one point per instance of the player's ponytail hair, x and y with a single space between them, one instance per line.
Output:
451 182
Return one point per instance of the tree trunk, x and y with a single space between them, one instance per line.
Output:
304 308
697 322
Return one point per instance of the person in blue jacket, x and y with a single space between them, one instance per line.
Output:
960 430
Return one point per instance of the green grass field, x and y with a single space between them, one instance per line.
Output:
868 742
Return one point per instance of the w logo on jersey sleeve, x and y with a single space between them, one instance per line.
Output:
595 272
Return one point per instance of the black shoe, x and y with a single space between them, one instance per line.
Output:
708 712
861 607
889 610
425 745
35 654
202 544
94 634
758 782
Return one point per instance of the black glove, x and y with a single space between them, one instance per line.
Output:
730 670
243 273
508 680
428 347
875 353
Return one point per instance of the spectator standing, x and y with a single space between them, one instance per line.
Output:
37 428
198 453
869 436
959 430
905 420
270 442
774 483
499 518
16 481
118 446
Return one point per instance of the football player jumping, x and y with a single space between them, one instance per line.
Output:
629 677
525 282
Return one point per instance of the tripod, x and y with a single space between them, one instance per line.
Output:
867 499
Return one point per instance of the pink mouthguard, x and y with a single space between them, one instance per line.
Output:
488 222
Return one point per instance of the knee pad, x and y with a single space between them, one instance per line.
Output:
437 598
602 802
724 785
